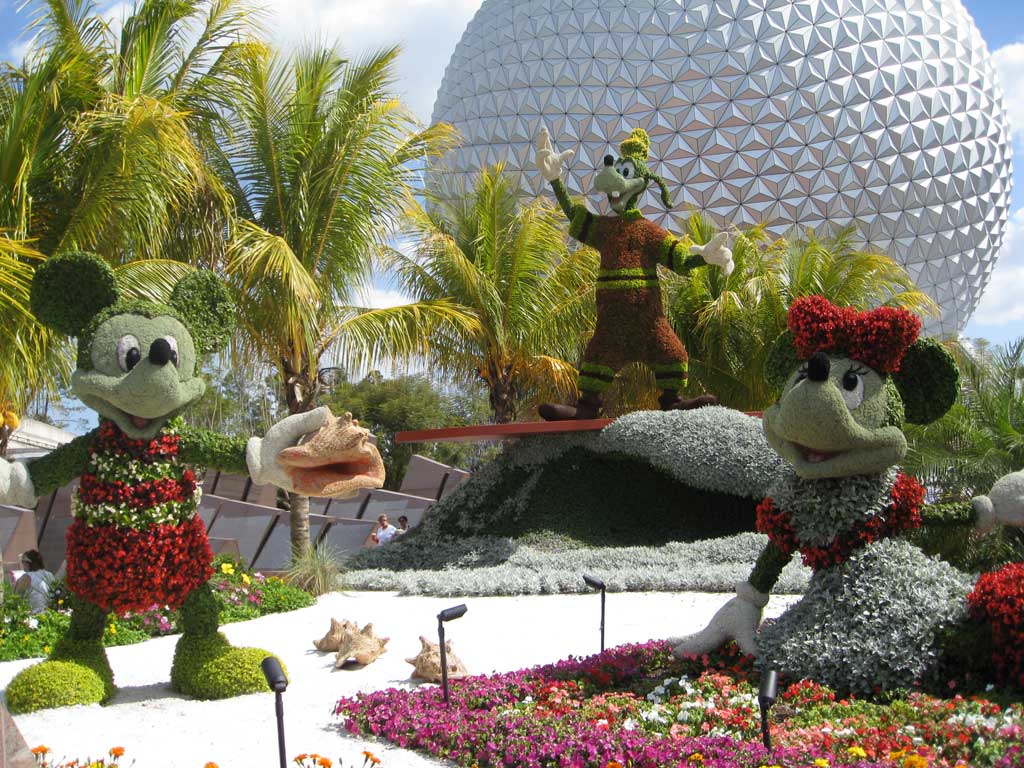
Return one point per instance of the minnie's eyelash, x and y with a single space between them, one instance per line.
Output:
857 370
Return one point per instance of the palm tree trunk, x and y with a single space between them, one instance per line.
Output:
503 397
299 524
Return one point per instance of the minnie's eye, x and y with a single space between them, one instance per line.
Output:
853 388
801 374
128 353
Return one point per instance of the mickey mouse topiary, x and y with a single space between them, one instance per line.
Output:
877 609
136 539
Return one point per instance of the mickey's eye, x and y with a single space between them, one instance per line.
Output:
853 387
628 169
173 344
128 352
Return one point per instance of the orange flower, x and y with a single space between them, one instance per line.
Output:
40 750
211 764
117 751
323 762
370 757
300 758
613 764
915 761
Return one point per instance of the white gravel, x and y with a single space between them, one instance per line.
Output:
161 729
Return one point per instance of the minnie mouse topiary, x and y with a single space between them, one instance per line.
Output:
136 539
877 610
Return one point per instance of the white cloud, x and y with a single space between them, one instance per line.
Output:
382 298
1001 304
427 31
1009 61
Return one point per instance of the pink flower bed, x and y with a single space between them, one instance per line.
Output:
635 706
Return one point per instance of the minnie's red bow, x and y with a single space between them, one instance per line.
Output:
878 338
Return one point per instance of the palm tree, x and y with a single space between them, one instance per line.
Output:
728 324
506 265
981 438
102 139
319 159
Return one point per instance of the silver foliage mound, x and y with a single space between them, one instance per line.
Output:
804 112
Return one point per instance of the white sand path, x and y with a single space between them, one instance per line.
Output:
161 729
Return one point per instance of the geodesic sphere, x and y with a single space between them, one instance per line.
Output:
790 112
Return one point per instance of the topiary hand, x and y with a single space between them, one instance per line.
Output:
261 453
15 485
549 162
737 620
1004 504
716 252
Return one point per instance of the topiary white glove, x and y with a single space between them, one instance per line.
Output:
737 620
261 453
549 162
1003 505
716 252
16 485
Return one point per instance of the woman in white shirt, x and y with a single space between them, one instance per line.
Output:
34 584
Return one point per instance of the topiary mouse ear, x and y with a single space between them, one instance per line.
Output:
204 304
782 360
928 381
69 290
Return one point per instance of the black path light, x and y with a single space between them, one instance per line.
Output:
765 698
278 683
595 583
448 614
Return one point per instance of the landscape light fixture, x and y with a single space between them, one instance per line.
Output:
595 583
278 683
765 698
448 614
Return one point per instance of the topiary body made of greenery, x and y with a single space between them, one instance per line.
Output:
209 667
54 684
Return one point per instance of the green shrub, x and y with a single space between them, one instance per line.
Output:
210 668
54 684
316 571
279 597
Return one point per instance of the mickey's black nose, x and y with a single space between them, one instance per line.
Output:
609 160
160 352
818 367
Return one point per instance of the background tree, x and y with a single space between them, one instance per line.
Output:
320 159
506 265
102 141
728 324
386 406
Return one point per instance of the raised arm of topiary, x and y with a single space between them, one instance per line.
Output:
136 539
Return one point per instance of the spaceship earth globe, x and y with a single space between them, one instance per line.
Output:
883 113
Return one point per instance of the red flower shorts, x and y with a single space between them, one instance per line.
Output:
128 569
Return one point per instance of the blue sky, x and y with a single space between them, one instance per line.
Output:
429 29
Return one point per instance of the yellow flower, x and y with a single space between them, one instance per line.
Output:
856 751
820 762
915 761
227 568
46 650
246 579
696 757
113 629
10 420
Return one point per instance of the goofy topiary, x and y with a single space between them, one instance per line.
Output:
136 539
631 322
879 614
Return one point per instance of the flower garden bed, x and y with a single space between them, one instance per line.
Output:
636 706
242 594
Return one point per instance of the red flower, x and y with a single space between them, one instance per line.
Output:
124 569
878 338
998 599
904 514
